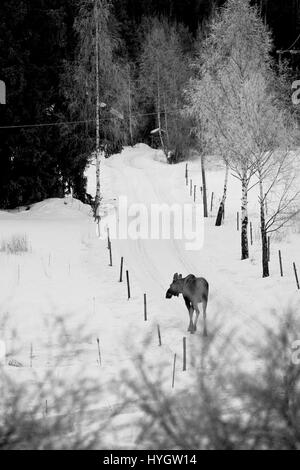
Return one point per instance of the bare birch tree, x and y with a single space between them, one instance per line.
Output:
97 80
251 127
237 47
270 128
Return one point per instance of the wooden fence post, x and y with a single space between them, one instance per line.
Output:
211 202
296 275
128 284
121 270
174 366
110 254
280 263
159 335
145 307
99 352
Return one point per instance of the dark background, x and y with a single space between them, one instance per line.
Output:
282 16
37 39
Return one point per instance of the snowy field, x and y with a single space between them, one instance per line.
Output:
65 278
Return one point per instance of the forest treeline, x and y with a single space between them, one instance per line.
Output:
147 54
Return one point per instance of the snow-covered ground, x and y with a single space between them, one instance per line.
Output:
66 275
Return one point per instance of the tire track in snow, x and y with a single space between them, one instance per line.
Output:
222 293
221 282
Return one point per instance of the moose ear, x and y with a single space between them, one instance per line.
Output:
180 276
175 277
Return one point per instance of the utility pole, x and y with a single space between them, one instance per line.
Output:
130 108
158 110
98 193
2 92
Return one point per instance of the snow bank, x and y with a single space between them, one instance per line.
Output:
66 275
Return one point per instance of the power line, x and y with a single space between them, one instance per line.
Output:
40 66
21 126
289 48
66 123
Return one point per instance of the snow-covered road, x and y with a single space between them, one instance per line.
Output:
66 275
239 299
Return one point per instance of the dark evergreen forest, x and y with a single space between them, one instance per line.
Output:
46 129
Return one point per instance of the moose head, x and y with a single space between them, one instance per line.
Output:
176 286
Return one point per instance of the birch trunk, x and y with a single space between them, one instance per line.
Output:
204 193
98 188
263 232
130 110
166 124
222 203
244 211
158 111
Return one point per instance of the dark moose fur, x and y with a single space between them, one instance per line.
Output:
194 290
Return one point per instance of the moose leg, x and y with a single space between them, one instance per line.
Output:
204 318
191 327
197 316
191 311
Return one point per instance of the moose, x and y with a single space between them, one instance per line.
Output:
194 290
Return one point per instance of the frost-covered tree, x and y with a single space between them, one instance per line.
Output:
164 73
96 83
247 121
269 128
237 48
